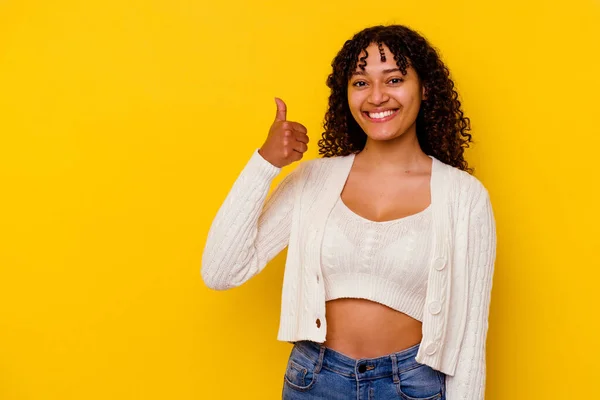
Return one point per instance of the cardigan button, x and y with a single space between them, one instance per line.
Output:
431 349
435 307
318 322
439 263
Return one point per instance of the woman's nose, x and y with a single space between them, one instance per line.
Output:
378 95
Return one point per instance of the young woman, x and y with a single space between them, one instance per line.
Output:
391 239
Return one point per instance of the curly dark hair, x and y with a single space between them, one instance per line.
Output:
442 128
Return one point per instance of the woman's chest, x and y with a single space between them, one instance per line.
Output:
390 249
386 198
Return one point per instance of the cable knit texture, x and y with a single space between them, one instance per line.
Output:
250 229
384 261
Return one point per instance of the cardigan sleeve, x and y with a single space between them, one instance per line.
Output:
468 382
249 230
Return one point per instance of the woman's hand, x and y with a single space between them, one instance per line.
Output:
287 141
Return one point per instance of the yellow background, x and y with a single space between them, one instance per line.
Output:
124 123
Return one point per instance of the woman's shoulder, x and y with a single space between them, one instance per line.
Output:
322 164
312 174
466 183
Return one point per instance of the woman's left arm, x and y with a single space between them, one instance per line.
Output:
468 382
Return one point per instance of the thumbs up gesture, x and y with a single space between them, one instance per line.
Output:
287 141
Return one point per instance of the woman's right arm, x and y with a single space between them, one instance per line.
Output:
248 232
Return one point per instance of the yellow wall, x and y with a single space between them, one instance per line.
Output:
124 123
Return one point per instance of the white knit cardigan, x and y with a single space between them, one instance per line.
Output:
249 230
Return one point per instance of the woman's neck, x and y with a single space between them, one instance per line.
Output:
401 154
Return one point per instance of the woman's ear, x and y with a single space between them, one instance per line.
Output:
423 93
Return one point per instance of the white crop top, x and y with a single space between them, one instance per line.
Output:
386 262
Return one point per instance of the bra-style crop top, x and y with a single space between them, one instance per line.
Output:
386 262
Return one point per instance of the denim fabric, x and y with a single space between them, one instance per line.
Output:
317 372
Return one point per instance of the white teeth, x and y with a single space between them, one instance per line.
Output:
381 114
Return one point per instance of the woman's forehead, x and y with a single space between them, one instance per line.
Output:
377 50
376 57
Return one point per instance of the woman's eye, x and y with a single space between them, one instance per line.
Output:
359 83
396 80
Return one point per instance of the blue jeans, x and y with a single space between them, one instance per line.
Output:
318 372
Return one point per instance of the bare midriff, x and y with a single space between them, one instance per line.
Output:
360 328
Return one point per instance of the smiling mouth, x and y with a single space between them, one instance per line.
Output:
381 116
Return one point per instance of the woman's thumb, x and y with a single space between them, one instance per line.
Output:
281 110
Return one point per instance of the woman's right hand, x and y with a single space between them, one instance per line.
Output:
287 141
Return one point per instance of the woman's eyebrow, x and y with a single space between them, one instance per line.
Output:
385 71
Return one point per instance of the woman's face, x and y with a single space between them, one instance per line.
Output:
384 102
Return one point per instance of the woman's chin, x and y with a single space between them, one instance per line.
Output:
382 136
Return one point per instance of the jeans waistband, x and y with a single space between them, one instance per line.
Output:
393 363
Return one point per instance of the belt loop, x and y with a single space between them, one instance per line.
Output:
395 369
320 360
